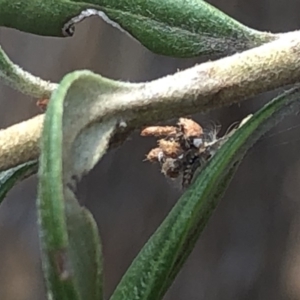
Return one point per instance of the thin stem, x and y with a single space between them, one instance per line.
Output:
23 81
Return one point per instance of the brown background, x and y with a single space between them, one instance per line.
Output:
251 247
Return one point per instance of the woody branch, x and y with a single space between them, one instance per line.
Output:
200 88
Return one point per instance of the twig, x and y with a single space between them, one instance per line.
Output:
200 88
19 143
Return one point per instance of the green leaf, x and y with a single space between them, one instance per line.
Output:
156 266
75 136
181 28
10 177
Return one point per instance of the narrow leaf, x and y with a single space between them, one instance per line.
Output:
75 136
57 267
181 28
10 177
156 266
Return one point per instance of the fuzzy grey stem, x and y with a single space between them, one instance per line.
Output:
23 81
203 87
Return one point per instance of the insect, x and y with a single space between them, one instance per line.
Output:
42 104
182 149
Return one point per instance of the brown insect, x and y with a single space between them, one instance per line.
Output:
182 149
185 148
42 104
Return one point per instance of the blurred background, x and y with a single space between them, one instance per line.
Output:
251 246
